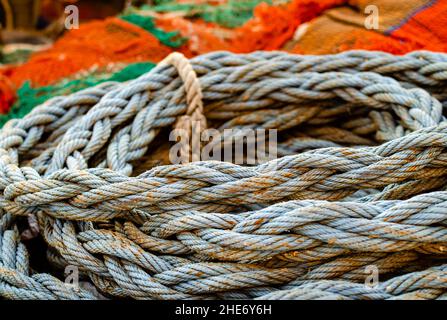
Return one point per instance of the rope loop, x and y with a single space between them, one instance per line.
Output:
194 121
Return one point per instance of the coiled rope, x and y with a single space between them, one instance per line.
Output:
360 181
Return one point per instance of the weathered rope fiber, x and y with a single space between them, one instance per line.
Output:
302 226
194 121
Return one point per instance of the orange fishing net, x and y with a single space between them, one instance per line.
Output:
96 43
269 29
202 36
404 26
427 28
7 95
272 26
335 26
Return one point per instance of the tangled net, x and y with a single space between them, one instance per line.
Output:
360 181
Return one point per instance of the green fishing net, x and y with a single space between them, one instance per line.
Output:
18 56
29 97
170 39
231 14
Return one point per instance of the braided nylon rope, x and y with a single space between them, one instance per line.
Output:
360 181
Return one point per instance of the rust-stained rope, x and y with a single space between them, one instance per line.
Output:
305 225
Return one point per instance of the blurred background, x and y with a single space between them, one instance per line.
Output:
38 14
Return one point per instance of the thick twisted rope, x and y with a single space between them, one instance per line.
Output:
15 279
218 230
323 173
